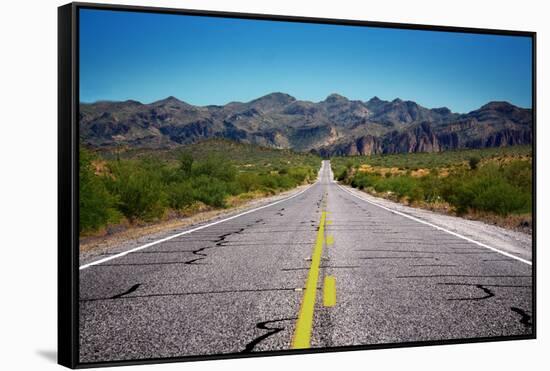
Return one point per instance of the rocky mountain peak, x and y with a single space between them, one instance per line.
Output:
442 111
171 102
272 101
169 99
498 106
276 97
334 98
132 102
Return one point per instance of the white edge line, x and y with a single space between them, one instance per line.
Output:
439 228
189 231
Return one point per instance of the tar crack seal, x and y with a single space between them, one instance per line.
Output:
270 331
129 291
219 242
487 291
525 318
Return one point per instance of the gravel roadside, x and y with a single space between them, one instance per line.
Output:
513 242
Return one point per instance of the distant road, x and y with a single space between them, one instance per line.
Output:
322 268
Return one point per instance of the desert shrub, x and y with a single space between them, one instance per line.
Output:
185 164
298 175
268 181
139 189
179 194
500 197
248 181
215 167
342 174
473 162
431 187
364 180
287 182
96 204
400 185
276 182
209 190
233 188
456 191
520 174
501 188
491 188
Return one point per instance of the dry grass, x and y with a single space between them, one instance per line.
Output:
420 173
417 173
365 168
100 167
520 223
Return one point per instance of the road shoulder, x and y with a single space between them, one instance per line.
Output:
127 240
513 242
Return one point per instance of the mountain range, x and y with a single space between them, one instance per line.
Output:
334 126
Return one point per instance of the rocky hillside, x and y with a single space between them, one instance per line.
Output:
335 125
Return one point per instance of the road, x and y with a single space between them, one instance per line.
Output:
323 268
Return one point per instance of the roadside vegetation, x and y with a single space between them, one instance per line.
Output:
131 188
493 184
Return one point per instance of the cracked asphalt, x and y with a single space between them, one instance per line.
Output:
238 286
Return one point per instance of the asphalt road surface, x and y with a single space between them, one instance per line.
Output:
320 269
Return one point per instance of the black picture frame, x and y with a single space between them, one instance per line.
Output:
68 204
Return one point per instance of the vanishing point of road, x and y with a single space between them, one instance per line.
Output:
321 268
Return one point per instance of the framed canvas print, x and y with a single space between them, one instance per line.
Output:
235 185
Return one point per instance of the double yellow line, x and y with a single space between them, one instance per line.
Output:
304 324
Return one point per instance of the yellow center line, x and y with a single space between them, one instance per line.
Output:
304 324
329 291
330 239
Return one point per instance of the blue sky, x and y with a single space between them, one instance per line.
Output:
204 60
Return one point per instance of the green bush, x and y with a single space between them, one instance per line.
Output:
180 195
287 182
501 189
458 192
431 187
142 186
268 181
500 198
248 181
400 185
298 175
96 204
473 162
209 190
139 189
341 172
365 180
520 174
185 162
215 167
